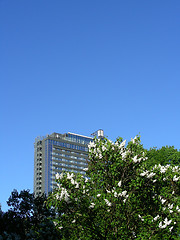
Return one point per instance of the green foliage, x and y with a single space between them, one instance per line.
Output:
27 218
121 196
163 156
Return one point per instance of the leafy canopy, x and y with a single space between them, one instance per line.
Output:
120 197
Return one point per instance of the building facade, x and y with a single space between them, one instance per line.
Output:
56 153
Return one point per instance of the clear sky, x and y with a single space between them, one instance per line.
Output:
83 65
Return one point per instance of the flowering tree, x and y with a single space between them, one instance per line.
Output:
119 197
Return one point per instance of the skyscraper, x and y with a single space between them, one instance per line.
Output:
56 153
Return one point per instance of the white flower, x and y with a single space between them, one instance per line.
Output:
73 181
64 194
74 221
155 166
170 206
86 180
170 229
98 195
70 176
175 179
92 205
59 185
122 144
135 159
85 169
119 183
60 227
124 193
144 173
91 145
77 185
175 169
107 202
155 218
98 150
104 148
59 176
108 191
142 219
133 140
151 175
123 155
166 222
163 169
115 194
160 225
162 200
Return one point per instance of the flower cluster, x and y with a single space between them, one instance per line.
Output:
63 195
166 223
147 174
159 169
92 205
108 203
119 181
97 149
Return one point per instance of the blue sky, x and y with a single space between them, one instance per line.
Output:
83 65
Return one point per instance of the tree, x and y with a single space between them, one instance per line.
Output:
27 218
163 156
120 197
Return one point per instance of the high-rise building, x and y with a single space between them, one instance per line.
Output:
56 153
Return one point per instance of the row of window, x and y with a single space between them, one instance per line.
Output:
68 145
39 154
39 164
69 166
39 169
39 149
68 156
39 143
72 152
38 178
67 160
78 139
38 183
